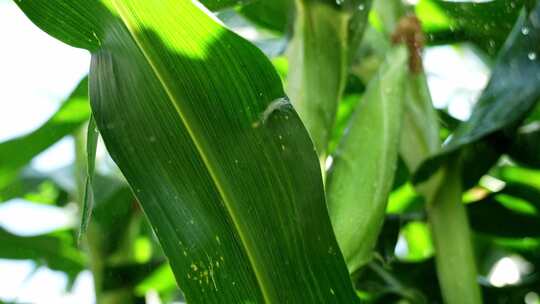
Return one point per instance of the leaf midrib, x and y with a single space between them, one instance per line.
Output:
125 20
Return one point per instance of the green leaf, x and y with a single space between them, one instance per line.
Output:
420 131
318 66
528 176
56 252
511 94
442 192
197 120
362 175
113 217
18 152
418 238
486 24
215 5
27 181
455 262
524 192
357 25
318 60
82 23
88 195
274 15
479 157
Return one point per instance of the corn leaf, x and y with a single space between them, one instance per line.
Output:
455 261
511 94
215 5
52 250
274 15
485 23
197 120
18 152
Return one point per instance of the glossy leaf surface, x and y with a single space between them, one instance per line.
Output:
485 23
197 120
511 92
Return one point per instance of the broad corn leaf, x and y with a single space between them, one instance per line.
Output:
197 120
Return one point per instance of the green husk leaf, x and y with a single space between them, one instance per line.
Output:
325 37
362 175
88 195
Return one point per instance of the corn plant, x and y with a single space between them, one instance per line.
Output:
284 169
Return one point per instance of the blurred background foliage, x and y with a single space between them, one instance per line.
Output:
503 203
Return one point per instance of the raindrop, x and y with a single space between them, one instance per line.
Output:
525 30
532 56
